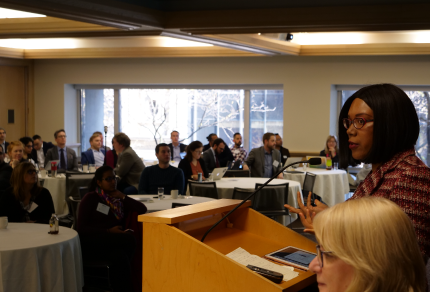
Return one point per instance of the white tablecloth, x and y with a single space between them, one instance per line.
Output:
330 185
32 260
57 187
166 203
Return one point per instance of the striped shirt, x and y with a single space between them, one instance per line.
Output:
405 180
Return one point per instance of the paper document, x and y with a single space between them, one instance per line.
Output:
245 258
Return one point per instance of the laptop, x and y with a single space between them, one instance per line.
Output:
322 165
292 160
218 173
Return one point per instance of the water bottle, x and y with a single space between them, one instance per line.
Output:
53 169
53 224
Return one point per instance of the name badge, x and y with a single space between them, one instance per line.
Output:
275 163
33 207
102 208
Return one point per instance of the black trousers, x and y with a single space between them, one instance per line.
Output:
116 248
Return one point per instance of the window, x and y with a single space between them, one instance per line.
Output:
421 100
148 115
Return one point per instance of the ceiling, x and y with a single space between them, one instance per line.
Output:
136 28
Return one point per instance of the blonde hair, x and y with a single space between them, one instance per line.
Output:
94 136
326 142
14 144
377 239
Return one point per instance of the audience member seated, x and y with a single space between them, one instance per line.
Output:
211 138
111 157
211 156
284 151
104 215
129 166
239 153
27 142
26 200
192 164
264 161
3 141
331 148
95 155
15 151
67 156
101 141
162 175
40 148
225 156
5 171
372 249
176 148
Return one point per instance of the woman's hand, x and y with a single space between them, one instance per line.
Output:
116 229
301 206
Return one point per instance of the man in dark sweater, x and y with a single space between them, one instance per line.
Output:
162 175
5 171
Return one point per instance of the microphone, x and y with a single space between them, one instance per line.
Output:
106 129
311 161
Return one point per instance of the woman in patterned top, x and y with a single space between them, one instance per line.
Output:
379 125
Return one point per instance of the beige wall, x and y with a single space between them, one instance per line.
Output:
307 83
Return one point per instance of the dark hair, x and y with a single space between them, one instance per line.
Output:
395 127
234 136
37 137
218 141
98 133
174 131
191 148
210 136
3 129
17 181
122 139
58 131
98 176
26 140
157 148
267 136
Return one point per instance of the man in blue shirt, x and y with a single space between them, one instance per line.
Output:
162 175
96 154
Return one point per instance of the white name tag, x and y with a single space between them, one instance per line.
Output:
275 163
236 151
33 207
102 208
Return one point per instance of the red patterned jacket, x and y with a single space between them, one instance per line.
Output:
405 180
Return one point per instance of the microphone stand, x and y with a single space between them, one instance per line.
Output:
310 161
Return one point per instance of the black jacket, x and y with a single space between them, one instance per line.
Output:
46 147
11 207
333 159
185 165
181 149
284 152
5 174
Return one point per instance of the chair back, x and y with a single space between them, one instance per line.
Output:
82 192
241 194
237 173
177 205
309 182
271 198
203 189
75 209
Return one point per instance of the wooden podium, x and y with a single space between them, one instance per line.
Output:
174 258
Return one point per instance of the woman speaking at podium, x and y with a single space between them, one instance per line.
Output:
379 125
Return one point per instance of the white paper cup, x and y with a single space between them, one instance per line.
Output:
92 168
3 222
85 167
174 194
43 173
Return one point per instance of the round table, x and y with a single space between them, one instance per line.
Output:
166 203
33 260
57 187
330 185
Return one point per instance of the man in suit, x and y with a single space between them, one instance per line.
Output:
211 156
40 148
67 156
5 171
284 151
96 154
3 140
225 155
176 148
265 161
129 166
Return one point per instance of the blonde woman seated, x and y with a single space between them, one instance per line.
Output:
331 148
367 245
15 150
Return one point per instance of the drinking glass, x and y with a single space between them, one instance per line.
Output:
92 168
335 165
305 166
160 193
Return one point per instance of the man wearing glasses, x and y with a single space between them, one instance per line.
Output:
5 171
67 156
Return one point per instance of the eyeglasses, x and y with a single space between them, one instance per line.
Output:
357 122
29 146
320 255
31 171
109 178
62 136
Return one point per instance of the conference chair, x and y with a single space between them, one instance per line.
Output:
203 189
241 194
82 192
270 200
237 173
